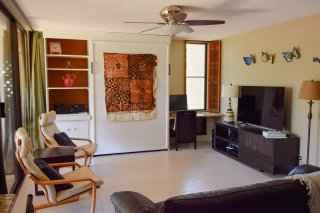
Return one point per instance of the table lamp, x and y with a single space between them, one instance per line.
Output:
229 91
310 90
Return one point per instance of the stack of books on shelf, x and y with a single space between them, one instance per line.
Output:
274 134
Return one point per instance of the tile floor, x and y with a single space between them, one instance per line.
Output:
157 175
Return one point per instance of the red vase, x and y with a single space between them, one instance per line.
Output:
68 79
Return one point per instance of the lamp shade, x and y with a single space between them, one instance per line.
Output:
230 91
310 90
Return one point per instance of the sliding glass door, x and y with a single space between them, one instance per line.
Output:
9 109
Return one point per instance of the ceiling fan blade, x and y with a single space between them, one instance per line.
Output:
153 28
179 17
203 22
138 22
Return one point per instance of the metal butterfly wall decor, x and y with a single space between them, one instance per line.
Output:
288 56
266 57
316 59
249 60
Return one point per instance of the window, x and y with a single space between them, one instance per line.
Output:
203 68
196 70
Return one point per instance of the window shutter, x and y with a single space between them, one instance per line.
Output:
214 76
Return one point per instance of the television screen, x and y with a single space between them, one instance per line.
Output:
263 106
178 102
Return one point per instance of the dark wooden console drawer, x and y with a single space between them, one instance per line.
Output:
268 154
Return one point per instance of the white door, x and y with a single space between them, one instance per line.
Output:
132 136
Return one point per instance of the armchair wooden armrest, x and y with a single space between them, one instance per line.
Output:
82 139
83 149
65 164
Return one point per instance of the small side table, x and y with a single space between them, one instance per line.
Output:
59 154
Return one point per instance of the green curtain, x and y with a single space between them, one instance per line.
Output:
24 75
37 98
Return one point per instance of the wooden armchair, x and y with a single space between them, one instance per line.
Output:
47 130
83 180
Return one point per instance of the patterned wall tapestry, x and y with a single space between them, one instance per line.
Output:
130 86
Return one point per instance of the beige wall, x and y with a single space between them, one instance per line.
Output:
176 78
302 33
305 35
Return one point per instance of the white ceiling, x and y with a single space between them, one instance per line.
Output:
108 15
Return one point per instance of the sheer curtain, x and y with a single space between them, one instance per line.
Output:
6 97
6 93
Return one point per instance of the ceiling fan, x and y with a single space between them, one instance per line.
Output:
174 21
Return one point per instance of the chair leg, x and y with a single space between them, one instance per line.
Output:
195 145
85 160
93 200
89 163
176 144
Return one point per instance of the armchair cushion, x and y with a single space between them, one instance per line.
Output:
89 148
47 118
52 174
83 172
63 139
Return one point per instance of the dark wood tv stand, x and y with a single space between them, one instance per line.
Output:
249 146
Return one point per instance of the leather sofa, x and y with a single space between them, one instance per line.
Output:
275 196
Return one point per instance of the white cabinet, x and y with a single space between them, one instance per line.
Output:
75 126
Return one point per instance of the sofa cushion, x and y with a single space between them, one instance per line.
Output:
304 169
63 139
52 174
274 196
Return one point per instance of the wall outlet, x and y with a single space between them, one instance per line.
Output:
300 157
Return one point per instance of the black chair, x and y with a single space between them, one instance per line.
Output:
185 128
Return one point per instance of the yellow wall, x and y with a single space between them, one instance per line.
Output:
176 78
305 35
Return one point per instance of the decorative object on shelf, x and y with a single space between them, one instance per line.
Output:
273 134
130 86
288 56
309 90
249 60
266 57
230 92
55 47
316 59
68 79
69 64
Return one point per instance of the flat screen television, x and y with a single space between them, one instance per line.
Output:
263 106
178 102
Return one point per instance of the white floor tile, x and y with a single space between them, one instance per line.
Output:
157 175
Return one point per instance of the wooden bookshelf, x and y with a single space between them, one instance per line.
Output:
72 59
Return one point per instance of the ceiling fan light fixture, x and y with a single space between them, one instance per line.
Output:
175 23
174 29
187 29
